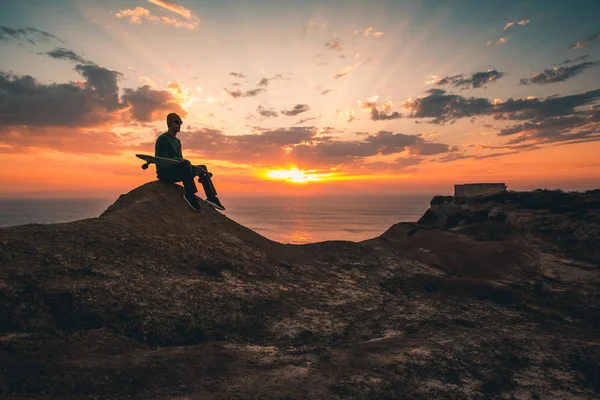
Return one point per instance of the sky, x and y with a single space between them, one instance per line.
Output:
301 97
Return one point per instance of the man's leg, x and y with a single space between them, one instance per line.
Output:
183 173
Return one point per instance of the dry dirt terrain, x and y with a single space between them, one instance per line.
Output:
492 298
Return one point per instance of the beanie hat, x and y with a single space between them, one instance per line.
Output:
172 117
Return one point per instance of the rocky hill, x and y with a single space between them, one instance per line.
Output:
483 298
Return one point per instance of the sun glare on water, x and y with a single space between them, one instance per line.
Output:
296 176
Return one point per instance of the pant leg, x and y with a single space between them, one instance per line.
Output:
179 173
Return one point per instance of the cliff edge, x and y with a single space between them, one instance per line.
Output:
154 300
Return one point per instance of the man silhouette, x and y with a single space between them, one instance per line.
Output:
169 146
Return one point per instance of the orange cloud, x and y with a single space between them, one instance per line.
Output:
176 8
521 22
349 113
502 40
368 32
139 13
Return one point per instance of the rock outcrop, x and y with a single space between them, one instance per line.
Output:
154 300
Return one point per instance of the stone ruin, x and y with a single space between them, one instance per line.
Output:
478 189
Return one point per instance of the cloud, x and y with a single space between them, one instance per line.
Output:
520 22
263 112
386 112
265 81
536 110
93 101
138 14
24 101
248 93
502 40
326 91
167 5
569 61
298 108
305 147
586 41
151 105
558 74
335 44
237 74
66 54
343 72
349 113
582 126
476 80
346 70
442 107
302 121
556 119
368 32
31 35
390 143
102 82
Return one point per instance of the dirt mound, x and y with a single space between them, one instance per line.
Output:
154 300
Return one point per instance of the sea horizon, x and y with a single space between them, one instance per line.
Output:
285 219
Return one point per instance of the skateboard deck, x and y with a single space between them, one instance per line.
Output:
202 173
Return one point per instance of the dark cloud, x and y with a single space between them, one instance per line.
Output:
302 121
326 91
148 105
24 101
442 107
390 143
298 109
248 93
537 109
335 44
31 35
477 80
237 74
95 101
332 153
569 61
553 119
586 41
103 82
307 147
381 116
66 54
265 81
558 74
577 127
376 115
263 112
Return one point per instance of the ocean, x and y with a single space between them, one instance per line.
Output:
295 220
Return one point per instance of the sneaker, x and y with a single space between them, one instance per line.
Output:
192 200
216 203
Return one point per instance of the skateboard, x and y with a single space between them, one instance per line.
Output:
198 170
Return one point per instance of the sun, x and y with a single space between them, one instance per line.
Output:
295 175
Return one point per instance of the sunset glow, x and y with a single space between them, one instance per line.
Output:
411 96
294 175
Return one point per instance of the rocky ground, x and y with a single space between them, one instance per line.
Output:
490 298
